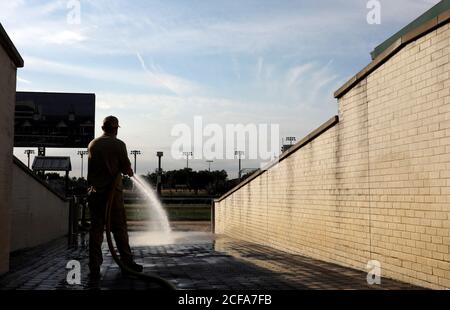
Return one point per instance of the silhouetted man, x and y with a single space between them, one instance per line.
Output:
108 158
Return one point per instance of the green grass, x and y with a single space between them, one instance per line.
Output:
176 212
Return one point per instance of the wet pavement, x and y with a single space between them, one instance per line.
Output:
189 260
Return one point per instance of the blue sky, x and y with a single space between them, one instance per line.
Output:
155 64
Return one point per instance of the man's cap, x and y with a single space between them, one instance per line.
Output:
111 122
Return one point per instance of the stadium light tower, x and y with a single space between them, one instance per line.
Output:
135 153
209 164
29 152
291 140
82 153
239 154
187 154
159 178
159 154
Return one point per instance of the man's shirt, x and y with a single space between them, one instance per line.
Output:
107 158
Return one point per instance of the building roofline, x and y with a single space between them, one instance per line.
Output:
10 49
54 93
414 34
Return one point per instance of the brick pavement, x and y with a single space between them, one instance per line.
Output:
196 262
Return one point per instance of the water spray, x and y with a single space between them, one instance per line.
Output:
147 277
157 208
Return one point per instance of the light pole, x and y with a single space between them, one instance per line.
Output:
291 140
29 152
209 164
159 154
158 180
239 154
187 154
82 153
135 153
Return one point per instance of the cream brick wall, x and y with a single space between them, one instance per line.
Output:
7 103
374 186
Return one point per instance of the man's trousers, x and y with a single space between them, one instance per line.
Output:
97 207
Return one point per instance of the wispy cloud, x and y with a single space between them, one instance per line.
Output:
64 37
308 85
259 66
24 81
236 68
121 76
175 84
297 72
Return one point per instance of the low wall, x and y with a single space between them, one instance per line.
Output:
38 214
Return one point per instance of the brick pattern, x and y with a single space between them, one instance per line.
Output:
375 186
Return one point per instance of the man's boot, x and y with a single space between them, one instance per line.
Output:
134 267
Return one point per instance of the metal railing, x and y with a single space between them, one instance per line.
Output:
77 216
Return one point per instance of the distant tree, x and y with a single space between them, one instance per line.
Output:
246 175
78 186
53 176
214 182
218 186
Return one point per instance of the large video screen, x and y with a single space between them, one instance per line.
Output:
60 120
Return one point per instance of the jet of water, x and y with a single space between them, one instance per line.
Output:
156 208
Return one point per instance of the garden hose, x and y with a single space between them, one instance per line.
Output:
147 277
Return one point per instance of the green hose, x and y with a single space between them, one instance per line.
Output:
147 277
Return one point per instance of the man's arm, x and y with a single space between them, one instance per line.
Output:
125 164
89 163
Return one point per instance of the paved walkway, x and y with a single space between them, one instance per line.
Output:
193 261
